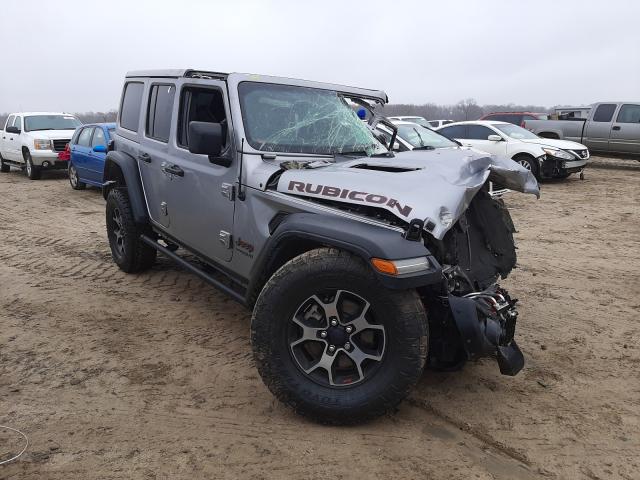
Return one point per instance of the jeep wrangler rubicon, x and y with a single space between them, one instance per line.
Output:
360 265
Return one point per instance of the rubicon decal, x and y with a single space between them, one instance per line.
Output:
354 195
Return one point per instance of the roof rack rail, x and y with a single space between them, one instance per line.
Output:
204 74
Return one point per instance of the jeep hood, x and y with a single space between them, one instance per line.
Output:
434 186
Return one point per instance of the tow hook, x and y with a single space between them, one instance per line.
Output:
487 322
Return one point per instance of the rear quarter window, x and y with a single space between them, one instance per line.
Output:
131 106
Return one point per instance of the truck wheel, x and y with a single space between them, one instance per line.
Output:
334 344
74 179
34 172
127 250
4 167
529 163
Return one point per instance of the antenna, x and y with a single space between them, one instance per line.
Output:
240 191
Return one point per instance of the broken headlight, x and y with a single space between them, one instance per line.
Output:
557 153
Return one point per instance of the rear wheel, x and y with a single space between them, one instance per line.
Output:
34 172
74 179
330 341
529 163
129 252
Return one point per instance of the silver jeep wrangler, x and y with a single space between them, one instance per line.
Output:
361 265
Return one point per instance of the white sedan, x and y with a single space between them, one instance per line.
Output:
545 157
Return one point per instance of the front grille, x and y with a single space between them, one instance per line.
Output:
58 145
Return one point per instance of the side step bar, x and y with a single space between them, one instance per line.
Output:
193 269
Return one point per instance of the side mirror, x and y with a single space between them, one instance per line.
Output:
13 129
100 149
494 138
205 138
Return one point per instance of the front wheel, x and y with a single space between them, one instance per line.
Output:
34 172
333 343
129 252
74 178
529 163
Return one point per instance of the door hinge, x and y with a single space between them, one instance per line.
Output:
228 191
225 238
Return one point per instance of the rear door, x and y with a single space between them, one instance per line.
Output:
625 132
95 160
598 129
203 216
80 152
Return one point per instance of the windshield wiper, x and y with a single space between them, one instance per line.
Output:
425 147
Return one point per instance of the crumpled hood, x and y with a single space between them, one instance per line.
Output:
435 186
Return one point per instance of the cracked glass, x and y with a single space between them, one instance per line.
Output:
289 119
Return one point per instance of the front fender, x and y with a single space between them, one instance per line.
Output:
362 239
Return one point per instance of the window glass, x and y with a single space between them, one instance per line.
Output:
201 105
514 131
112 133
131 104
478 132
18 123
604 112
422 137
434 124
629 114
98 138
34 123
159 112
84 139
10 120
454 131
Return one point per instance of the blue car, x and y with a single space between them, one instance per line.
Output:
88 149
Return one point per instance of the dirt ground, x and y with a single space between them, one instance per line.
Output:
151 376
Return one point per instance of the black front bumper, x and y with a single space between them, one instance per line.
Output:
486 324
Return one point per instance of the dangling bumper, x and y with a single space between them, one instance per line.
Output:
486 322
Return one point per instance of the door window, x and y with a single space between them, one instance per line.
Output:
10 121
200 105
454 131
478 132
84 140
98 138
18 123
159 111
604 112
629 114
131 105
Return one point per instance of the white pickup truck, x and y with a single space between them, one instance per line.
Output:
32 141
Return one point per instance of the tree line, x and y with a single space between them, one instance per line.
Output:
464 110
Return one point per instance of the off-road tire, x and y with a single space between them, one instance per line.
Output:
4 167
128 251
523 158
74 178
400 312
33 172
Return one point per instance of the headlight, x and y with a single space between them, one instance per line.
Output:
42 144
557 153
401 267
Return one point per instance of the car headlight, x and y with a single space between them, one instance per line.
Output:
557 153
42 144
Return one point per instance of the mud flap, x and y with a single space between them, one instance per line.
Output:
484 336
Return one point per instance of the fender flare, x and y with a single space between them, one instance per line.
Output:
362 239
121 170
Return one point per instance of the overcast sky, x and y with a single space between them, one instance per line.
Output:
72 55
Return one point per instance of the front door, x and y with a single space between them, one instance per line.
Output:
95 160
625 132
598 130
7 140
80 152
477 136
201 214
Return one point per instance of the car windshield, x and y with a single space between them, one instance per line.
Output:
50 122
284 118
420 137
112 132
516 132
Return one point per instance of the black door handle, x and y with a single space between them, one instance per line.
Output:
174 170
617 127
145 157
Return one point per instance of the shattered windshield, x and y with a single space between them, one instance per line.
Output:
284 118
